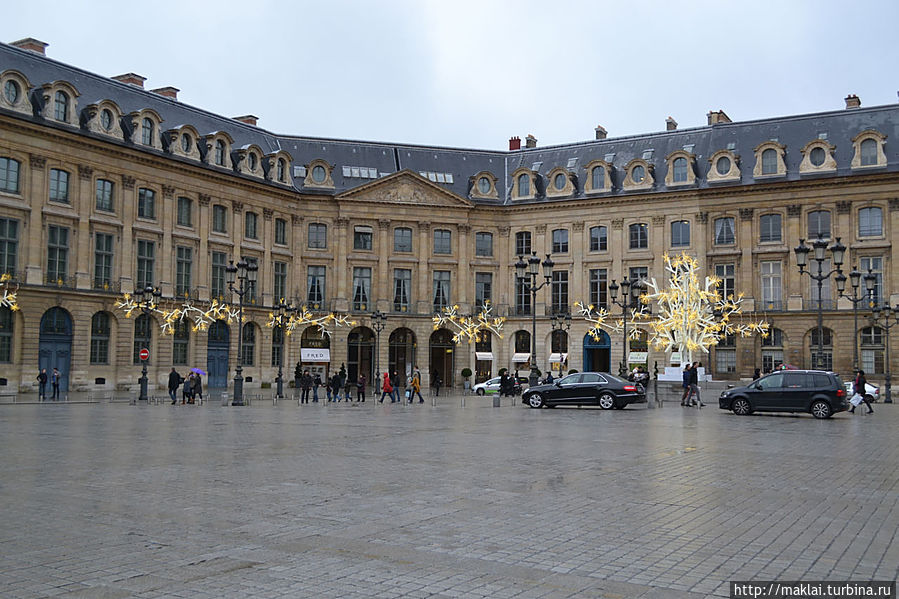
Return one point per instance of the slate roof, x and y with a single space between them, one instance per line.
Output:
794 132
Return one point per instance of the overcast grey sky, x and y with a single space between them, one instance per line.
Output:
471 73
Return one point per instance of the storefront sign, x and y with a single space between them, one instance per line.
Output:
308 354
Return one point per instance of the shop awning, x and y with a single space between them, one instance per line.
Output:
556 358
484 355
519 358
309 354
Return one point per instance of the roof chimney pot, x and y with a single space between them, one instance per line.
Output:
670 124
852 101
29 43
249 119
530 141
132 79
717 117
168 92
514 143
601 132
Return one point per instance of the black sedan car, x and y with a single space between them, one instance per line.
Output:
586 388
817 392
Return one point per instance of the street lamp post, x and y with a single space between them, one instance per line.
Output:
526 273
837 250
147 299
630 294
245 271
378 322
282 310
855 278
886 318
561 322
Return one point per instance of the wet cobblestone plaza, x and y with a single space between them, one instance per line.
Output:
159 501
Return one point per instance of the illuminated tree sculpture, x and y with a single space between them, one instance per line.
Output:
8 297
601 319
693 316
469 327
302 317
201 315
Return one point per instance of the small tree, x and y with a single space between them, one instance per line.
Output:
466 372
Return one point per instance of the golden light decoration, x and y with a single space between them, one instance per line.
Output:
469 327
601 319
691 315
8 298
199 314
303 317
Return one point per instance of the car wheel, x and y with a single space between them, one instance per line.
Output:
741 407
480 392
536 401
821 410
606 401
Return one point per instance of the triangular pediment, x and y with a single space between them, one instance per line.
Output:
406 188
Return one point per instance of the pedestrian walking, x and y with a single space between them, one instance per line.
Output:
360 389
335 387
316 383
174 383
196 389
306 385
416 386
395 383
187 388
437 382
42 385
860 394
348 389
694 385
504 387
685 383
54 381
386 389
342 382
297 375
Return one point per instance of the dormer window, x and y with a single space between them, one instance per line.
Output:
559 181
106 119
252 161
183 141
599 177
868 149
484 185
219 152
318 174
524 185
146 131
868 152
61 106
639 175
282 169
14 94
817 157
560 184
187 143
724 167
11 92
59 102
769 160
145 128
680 171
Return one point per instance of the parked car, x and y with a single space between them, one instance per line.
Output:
586 388
872 391
491 387
818 392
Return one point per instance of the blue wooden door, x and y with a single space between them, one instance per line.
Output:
55 347
217 367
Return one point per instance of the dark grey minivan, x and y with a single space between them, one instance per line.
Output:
817 392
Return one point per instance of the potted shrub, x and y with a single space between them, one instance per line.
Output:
466 373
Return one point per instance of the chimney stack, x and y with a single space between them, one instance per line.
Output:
249 119
670 124
601 132
852 101
168 92
717 117
514 143
29 43
530 141
131 78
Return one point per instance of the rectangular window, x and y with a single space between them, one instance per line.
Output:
217 285
872 361
9 245
99 339
770 227
483 244
522 297
104 195
638 273
725 273
9 175
361 289
772 298
771 359
523 243
599 288
184 257
146 203
725 361
59 186
280 288
819 224
560 292
441 290
875 265
318 236
870 222
102 261
443 241
146 258
57 253
483 288
724 231
402 240
638 235
185 212
315 287
362 238
599 239
680 233
280 231
250 231
402 285
560 241
219 219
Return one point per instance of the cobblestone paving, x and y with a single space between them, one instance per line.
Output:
114 501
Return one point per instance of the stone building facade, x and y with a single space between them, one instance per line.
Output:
106 186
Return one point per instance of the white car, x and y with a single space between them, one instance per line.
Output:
872 391
488 387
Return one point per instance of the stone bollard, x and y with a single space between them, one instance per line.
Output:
225 398
497 400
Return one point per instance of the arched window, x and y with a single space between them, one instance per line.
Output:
146 132
248 347
281 169
824 361
680 170
100 338
869 153
598 177
220 152
6 330
180 347
638 173
638 234
872 350
769 162
599 239
143 335
61 106
524 185
523 342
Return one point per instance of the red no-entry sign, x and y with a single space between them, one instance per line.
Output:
144 354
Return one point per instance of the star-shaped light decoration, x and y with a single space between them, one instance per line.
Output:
8 296
201 314
302 317
469 327
693 316
601 319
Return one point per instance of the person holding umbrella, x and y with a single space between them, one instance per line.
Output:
197 387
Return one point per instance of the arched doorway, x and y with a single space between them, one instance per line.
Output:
442 355
219 340
401 355
483 354
55 347
521 351
315 353
597 354
360 353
